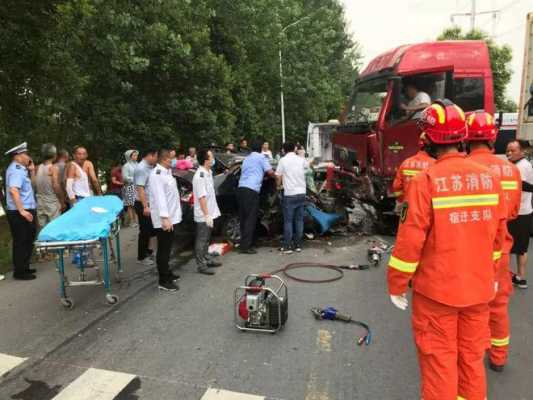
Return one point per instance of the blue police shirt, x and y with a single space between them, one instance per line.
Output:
253 171
17 176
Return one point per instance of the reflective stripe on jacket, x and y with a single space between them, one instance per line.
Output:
408 169
451 235
511 182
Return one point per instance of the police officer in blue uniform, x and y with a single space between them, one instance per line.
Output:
21 206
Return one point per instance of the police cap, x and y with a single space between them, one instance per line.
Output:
21 148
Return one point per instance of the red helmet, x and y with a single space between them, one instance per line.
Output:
443 122
481 126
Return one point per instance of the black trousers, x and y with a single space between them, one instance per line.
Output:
164 246
23 233
201 244
146 231
248 200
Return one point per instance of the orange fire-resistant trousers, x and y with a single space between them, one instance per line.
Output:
451 344
499 315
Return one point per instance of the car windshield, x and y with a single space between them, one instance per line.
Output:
367 101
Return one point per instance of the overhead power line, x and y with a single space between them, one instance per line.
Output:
473 15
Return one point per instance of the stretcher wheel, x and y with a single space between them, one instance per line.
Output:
67 302
111 298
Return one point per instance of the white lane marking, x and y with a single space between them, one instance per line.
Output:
7 363
323 340
96 384
219 394
318 383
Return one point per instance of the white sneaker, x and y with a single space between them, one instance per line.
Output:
147 262
285 251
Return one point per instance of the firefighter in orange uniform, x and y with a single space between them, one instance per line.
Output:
409 168
451 233
481 136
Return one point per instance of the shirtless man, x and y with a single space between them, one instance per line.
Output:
79 173
80 176
49 194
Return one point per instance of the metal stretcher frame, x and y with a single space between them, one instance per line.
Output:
59 248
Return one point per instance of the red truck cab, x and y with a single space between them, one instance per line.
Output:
375 135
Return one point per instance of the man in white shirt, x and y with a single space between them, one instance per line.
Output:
520 227
205 211
418 100
165 212
290 173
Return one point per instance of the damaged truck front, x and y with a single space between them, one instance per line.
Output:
375 135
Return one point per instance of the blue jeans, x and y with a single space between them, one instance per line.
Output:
293 220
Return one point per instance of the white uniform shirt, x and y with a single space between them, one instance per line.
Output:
292 169
164 197
202 186
526 173
141 176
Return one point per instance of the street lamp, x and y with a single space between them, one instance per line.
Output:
281 75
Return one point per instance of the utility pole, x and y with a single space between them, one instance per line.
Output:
281 93
473 14
282 32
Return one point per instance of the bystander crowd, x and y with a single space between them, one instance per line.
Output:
165 212
243 146
254 168
142 206
230 148
520 228
290 174
21 210
62 159
205 211
191 156
80 176
265 150
116 181
128 190
48 190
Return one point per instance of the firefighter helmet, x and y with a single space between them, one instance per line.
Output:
443 122
481 126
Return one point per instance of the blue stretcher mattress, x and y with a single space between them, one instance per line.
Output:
89 219
324 220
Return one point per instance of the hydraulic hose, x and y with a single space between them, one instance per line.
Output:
300 265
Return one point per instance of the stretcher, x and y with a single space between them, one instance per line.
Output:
93 222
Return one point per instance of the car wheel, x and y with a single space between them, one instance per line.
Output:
231 229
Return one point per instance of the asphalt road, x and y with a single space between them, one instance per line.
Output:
178 345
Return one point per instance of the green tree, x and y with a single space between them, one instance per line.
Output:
116 74
509 105
319 61
500 59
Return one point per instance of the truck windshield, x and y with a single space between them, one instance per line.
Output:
366 102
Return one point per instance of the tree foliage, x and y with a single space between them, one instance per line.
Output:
500 59
115 74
